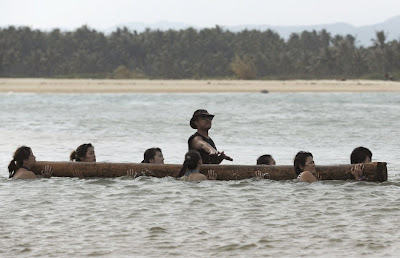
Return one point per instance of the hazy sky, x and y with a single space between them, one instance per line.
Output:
102 14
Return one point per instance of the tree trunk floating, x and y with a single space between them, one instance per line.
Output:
374 171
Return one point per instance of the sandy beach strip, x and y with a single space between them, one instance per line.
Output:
37 85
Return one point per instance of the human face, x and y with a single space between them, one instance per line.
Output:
272 162
90 155
158 158
204 121
30 161
309 165
367 160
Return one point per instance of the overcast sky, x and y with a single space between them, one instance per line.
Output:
103 14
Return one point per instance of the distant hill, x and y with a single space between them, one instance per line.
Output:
161 25
363 34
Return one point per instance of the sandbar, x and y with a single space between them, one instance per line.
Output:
39 85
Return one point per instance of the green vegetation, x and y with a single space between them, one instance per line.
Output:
244 69
193 54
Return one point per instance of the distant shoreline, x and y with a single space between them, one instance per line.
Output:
38 85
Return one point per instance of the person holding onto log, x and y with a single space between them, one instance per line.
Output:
153 155
304 167
20 165
359 156
201 142
190 170
84 153
266 160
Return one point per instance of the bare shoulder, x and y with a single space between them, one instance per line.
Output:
307 176
197 142
197 139
24 174
196 177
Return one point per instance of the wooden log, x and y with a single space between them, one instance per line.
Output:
374 171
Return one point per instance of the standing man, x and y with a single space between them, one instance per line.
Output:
201 142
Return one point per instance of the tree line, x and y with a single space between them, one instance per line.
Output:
211 53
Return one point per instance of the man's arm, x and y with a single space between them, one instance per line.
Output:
199 144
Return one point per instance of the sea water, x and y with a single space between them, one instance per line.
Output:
145 216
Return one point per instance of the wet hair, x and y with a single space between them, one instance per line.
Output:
300 160
80 152
21 154
192 159
359 154
150 154
265 159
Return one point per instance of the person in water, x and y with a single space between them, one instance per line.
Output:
84 153
304 167
22 162
190 170
266 160
359 156
153 155
201 142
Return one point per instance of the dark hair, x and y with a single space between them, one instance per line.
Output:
150 154
192 159
300 160
265 159
80 152
359 154
20 155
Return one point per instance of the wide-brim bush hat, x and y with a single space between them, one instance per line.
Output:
196 114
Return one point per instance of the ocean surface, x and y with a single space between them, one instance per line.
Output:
164 217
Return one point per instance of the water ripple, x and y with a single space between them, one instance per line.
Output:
163 217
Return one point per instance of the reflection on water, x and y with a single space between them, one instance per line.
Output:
146 216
